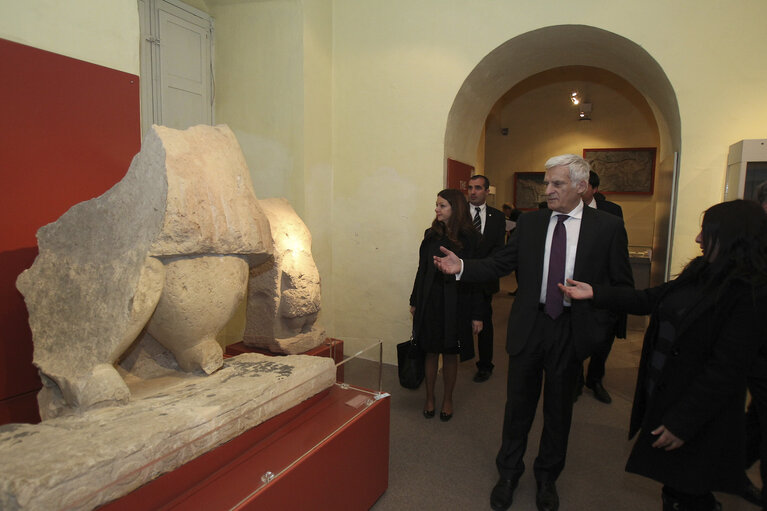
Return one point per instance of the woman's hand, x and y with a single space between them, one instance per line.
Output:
476 326
412 310
667 440
577 290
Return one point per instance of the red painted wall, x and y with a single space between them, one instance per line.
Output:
68 132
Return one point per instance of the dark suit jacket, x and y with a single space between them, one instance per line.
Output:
492 240
602 257
609 207
614 209
700 392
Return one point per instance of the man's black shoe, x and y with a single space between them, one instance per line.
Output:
483 375
547 499
600 392
751 493
503 491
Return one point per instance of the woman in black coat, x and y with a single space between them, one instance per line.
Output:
446 313
705 329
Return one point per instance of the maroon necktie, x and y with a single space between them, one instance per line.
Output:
554 305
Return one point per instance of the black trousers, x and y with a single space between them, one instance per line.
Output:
548 352
596 370
485 338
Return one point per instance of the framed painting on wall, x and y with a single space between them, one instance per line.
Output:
529 190
627 171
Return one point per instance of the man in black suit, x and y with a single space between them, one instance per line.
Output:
596 369
547 334
491 224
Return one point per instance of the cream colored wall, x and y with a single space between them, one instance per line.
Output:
395 69
274 89
103 32
542 123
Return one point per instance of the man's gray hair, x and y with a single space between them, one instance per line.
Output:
579 168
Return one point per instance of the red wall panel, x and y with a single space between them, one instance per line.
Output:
458 174
68 132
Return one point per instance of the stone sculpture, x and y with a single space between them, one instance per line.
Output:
166 251
284 293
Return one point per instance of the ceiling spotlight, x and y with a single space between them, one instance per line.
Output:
584 113
574 98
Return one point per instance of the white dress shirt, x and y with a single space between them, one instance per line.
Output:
573 229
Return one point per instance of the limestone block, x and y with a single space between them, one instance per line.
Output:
105 264
284 294
199 297
81 461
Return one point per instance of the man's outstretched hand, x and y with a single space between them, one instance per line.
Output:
450 264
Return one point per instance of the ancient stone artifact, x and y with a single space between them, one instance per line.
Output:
81 461
125 300
284 293
166 251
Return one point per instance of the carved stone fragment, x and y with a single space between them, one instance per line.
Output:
284 294
174 239
81 461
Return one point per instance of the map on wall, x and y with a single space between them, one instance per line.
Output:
629 171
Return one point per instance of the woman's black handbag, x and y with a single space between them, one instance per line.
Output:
410 361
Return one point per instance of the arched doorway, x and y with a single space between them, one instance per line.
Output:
566 46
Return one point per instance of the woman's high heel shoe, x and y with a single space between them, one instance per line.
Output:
429 414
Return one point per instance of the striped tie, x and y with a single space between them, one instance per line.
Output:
477 221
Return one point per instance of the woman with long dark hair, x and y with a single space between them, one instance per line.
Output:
446 313
706 327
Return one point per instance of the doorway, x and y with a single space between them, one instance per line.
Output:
549 54
177 86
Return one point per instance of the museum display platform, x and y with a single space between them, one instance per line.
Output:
329 452
333 348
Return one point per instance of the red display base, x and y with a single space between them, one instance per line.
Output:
333 348
332 438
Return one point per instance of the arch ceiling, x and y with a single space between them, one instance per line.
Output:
548 48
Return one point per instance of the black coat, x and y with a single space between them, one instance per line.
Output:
601 256
699 393
493 239
614 209
463 301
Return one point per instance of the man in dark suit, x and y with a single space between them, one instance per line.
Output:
547 334
491 224
596 370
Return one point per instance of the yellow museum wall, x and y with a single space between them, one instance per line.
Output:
104 32
397 68
346 101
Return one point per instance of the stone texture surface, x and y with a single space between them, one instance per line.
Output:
199 297
103 266
82 461
284 294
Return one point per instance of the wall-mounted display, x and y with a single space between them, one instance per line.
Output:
529 190
623 170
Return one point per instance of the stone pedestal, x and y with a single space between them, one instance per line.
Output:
82 461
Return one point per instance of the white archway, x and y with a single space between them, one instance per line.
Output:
570 45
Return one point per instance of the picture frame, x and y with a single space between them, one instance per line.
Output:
629 171
529 190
